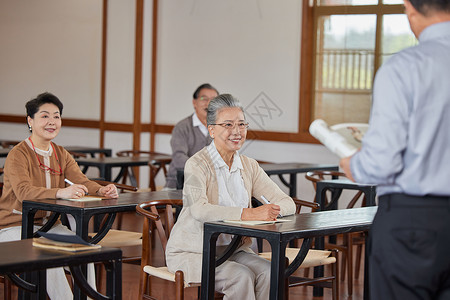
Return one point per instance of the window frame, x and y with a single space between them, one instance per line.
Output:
310 16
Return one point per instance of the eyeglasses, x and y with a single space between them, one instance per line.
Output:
231 126
205 98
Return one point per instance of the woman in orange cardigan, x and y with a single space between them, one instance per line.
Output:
35 169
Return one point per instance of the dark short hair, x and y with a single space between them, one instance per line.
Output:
204 86
426 6
33 105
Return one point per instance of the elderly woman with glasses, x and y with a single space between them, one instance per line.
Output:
36 168
219 184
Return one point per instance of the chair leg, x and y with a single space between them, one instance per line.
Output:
335 273
286 281
143 284
350 264
7 293
179 285
359 250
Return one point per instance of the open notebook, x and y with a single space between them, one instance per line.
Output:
256 222
85 198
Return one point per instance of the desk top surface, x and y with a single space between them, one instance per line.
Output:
20 256
123 160
285 168
84 149
125 202
4 152
307 224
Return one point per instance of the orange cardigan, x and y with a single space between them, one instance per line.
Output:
24 180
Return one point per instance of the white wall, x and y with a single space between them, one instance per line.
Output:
54 46
241 47
248 48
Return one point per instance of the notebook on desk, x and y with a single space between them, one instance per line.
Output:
256 222
85 198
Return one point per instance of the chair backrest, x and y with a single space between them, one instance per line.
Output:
120 186
300 203
316 176
156 211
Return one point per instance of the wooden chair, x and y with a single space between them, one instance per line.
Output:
345 242
155 166
314 258
118 238
153 212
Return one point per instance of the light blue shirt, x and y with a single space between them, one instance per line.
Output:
407 147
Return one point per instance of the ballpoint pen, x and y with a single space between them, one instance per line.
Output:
71 183
267 202
68 181
264 199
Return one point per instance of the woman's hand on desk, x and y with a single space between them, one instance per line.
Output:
267 212
73 191
108 191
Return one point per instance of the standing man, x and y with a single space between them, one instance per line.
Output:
406 152
190 134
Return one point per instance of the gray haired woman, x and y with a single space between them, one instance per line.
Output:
219 184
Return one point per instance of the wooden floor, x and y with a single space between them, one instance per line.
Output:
163 290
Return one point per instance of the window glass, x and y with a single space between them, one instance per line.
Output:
396 35
392 1
344 67
347 2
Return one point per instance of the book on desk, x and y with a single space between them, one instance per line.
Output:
72 243
256 222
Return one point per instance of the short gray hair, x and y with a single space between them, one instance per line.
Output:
218 103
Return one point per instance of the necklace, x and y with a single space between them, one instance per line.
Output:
44 167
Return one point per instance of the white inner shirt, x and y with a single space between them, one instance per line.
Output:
232 191
197 123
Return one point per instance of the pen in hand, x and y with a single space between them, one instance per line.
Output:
267 202
264 199
71 183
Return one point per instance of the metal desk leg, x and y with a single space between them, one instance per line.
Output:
114 279
277 269
293 183
366 294
209 264
82 223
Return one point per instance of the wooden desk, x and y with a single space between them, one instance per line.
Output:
21 256
292 169
280 169
4 152
105 164
336 186
306 226
90 150
84 211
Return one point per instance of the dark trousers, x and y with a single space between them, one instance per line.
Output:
409 248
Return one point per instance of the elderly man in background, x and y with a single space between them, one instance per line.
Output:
406 152
190 134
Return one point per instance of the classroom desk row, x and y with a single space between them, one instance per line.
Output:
81 149
307 226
